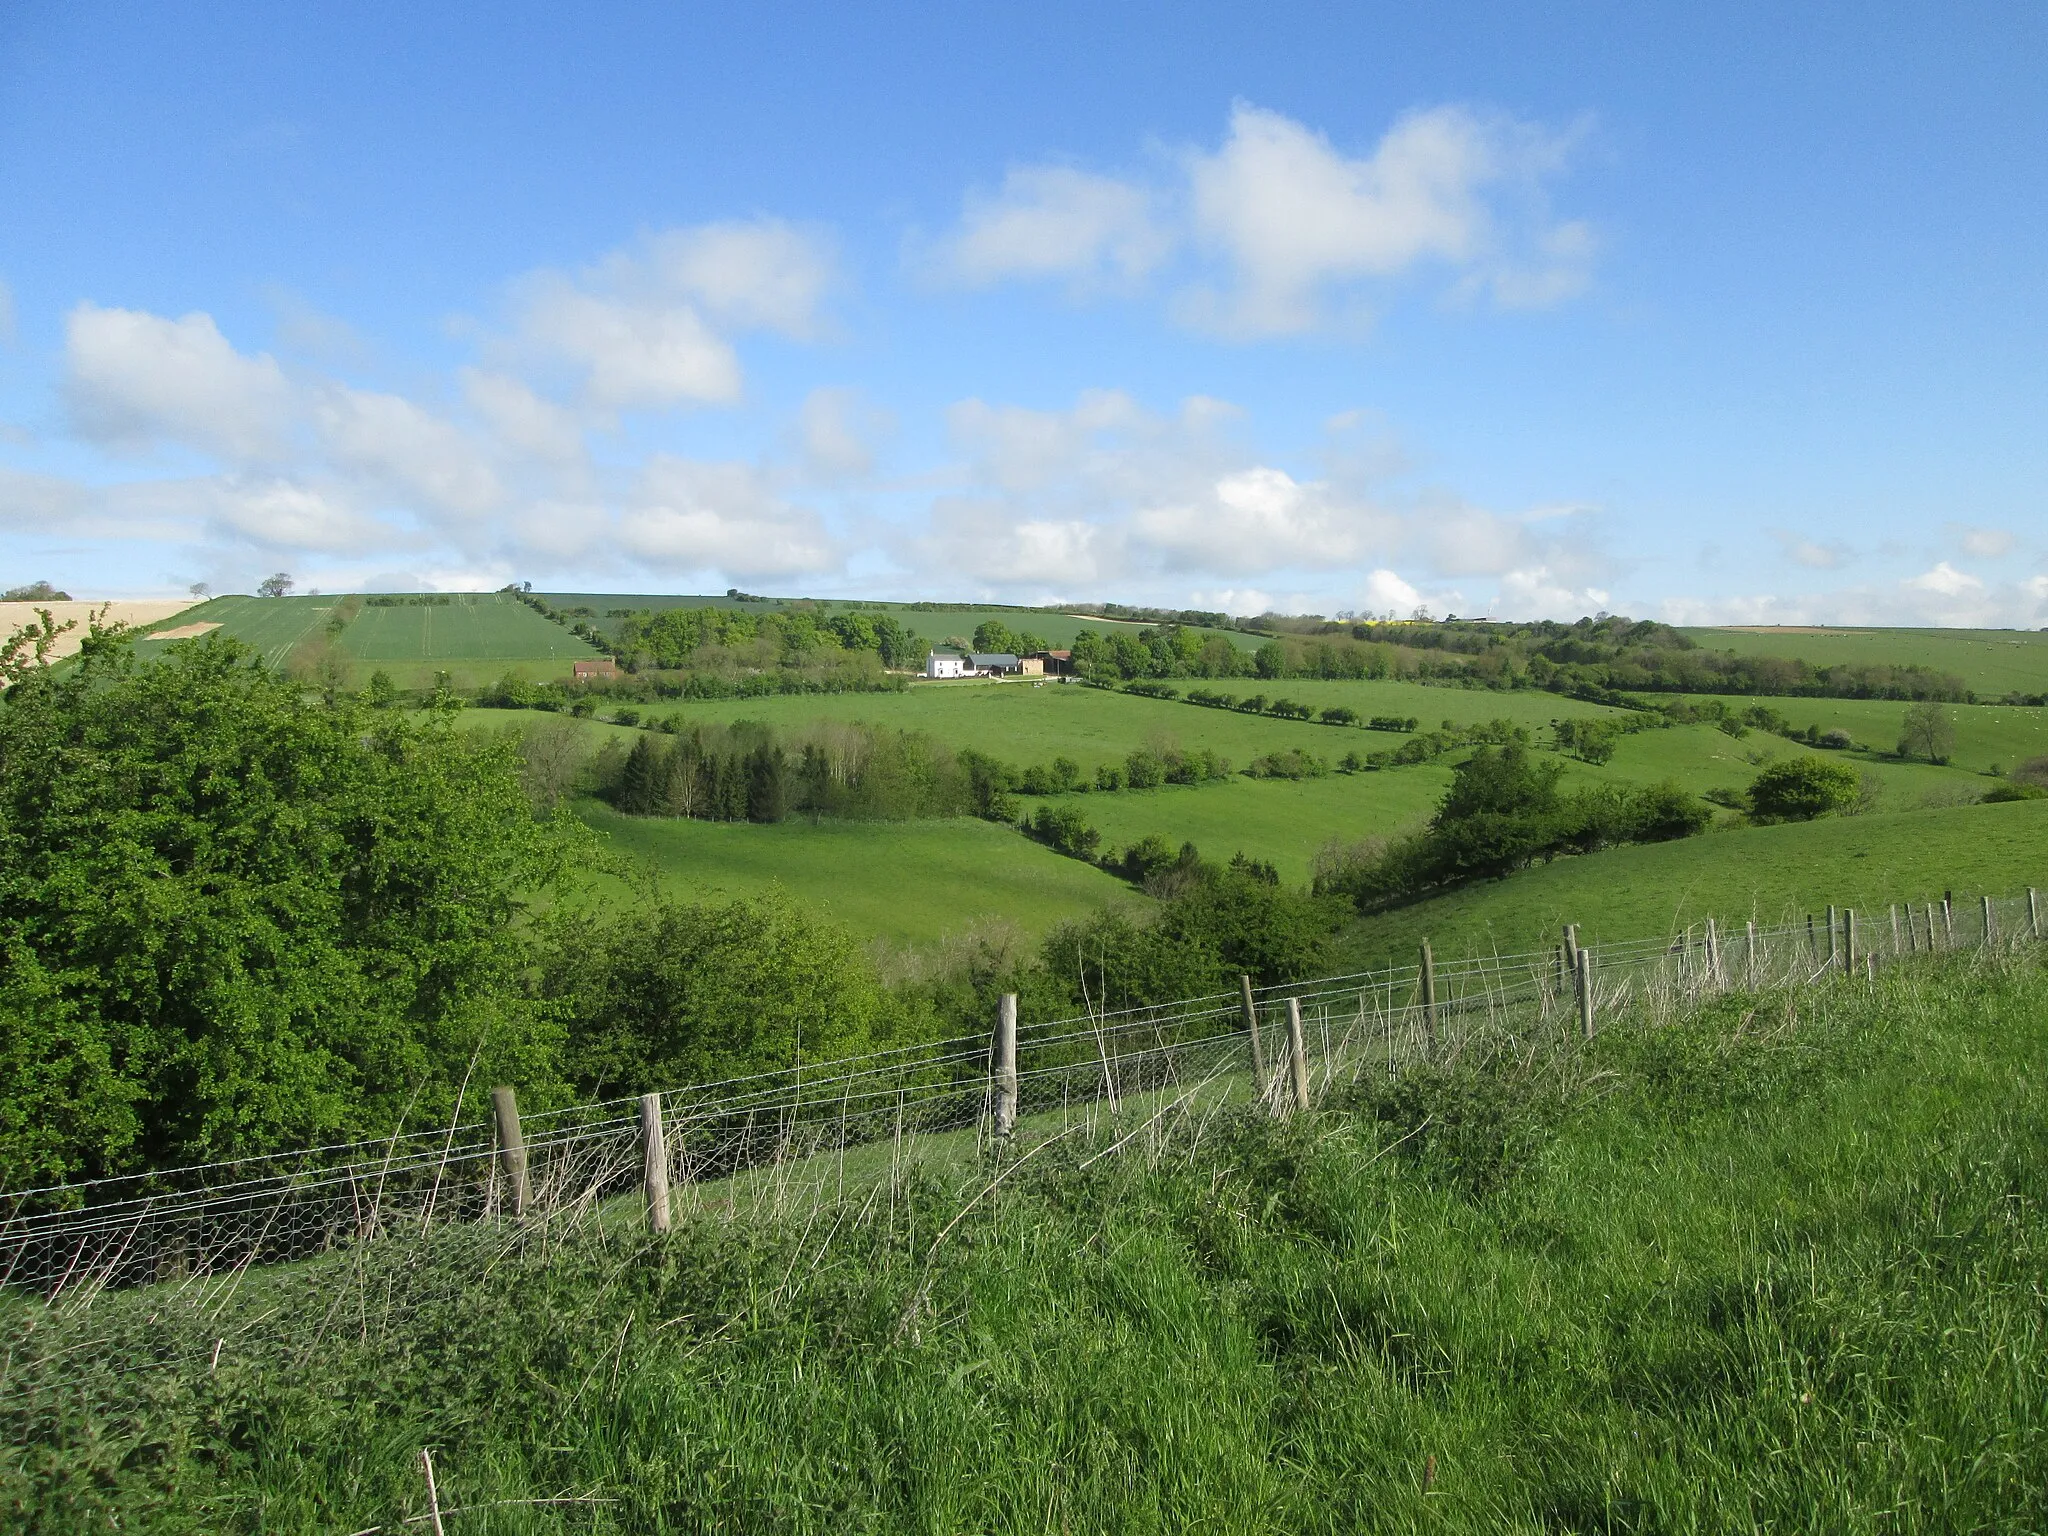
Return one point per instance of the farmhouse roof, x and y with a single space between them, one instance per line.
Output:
991 659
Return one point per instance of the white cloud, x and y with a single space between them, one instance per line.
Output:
647 325
520 420
1540 592
836 431
1282 228
1984 543
391 440
1261 519
762 274
284 515
1811 554
135 378
1052 221
632 354
1944 581
692 516
1387 592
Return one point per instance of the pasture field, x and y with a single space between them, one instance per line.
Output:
1279 820
1994 662
1026 724
1986 734
1701 758
1730 875
907 882
933 623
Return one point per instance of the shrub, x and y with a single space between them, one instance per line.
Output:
1801 788
1144 769
2011 790
1064 829
1109 777
1339 715
1291 764
2033 771
1400 723
1837 740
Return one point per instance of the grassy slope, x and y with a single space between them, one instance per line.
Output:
1985 733
1765 1278
1992 661
909 882
270 625
1765 872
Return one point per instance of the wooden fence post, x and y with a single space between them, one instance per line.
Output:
1713 954
1948 919
1586 992
1990 924
1571 948
511 1145
1297 1053
2033 914
1848 940
1927 910
1896 951
1428 992
654 1158
1006 1066
1834 952
1251 1028
1812 940
1749 952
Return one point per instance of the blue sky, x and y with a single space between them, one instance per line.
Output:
1731 317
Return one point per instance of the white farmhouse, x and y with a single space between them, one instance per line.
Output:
947 665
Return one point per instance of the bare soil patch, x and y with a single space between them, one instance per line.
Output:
136 612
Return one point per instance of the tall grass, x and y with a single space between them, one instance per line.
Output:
1773 1265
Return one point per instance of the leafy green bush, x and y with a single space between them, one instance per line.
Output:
1801 788
1065 829
233 918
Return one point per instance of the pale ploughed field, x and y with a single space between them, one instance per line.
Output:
135 613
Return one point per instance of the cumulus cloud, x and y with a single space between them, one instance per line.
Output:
423 457
1941 595
692 516
1053 221
1282 228
648 326
521 420
134 379
1262 519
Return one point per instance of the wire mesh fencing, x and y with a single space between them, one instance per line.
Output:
188 1238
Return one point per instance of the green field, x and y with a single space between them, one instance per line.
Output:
1761 872
934 623
908 882
1023 723
1994 662
1986 734
475 637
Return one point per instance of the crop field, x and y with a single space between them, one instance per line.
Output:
1731 875
910 883
1992 661
476 638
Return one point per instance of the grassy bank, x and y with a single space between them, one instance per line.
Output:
1733 874
1773 1267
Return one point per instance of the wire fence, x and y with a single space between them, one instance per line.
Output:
188 1237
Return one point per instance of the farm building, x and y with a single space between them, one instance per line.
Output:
604 666
992 664
1050 663
947 665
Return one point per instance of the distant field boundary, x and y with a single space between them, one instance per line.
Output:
195 1233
